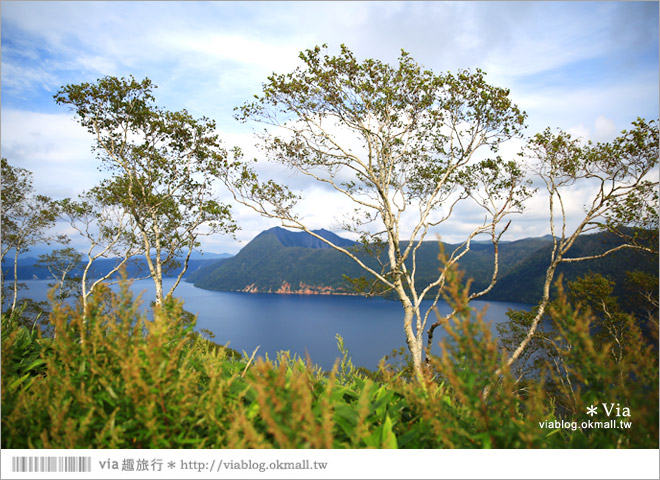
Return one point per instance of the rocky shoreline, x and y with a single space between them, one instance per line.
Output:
302 289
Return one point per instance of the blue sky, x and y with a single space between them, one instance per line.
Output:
586 67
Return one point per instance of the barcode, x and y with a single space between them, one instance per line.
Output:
51 464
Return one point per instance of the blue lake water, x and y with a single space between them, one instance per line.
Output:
301 324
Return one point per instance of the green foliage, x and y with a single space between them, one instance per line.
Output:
346 370
522 280
60 264
26 220
26 216
115 379
24 359
642 295
266 264
391 138
163 165
594 353
622 372
30 314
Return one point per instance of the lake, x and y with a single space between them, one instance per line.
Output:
371 327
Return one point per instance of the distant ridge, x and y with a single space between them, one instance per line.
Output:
281 261
303 239
28 268
196 255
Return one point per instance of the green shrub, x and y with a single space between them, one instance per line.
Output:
113 378
620 373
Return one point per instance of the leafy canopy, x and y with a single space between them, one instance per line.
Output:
392 127
163 166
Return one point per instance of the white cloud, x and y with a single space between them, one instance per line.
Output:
24 78
604 128
580 132
266 55
212 56
53 147
95 63
620 104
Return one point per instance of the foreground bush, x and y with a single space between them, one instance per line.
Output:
116 379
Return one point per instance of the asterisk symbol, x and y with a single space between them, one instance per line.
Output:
592 410
171 464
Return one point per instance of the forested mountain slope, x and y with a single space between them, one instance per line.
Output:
279 261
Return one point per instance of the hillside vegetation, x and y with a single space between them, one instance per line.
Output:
411 151
277 257
115 379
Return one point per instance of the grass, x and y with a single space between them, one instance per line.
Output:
115 379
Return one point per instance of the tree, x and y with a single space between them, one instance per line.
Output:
622 174
405 145
60 264
109 231
588 349
594 291
644 293
162 164
26 218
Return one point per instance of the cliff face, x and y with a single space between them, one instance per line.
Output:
279 261
301 289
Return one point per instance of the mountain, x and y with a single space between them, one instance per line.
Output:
281 261
303 239
28 268
524 281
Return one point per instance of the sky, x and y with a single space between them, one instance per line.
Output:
589 68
